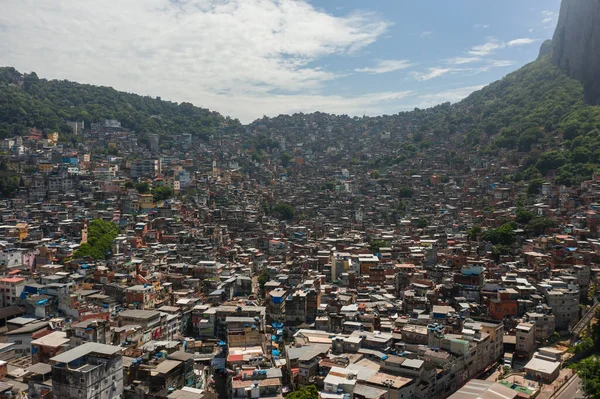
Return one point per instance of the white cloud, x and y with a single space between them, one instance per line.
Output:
487 48
432 73
385 66
481 26
492 45
462 60
531 30
483 66
369 104
520 42
500 63
453 95
427 33
489 65
548 16
209 52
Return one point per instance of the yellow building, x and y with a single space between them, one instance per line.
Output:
146 201
20 231
45 167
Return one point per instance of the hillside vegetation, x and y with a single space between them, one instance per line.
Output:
534 117
28 101
539 113
99 242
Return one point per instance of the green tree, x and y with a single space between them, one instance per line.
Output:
160 194
376 245
474 232
535 186
375 174
285 159
539 225
263 278
9 185
284 211
143 187
100 237
490 128
589 372
504 235
550 160
405 192
524 216
527 139
422 223
309 392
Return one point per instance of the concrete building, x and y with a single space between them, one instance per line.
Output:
565 307
10 289
90 371
525 339
144 168
42 349
153 141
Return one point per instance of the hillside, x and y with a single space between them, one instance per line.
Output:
535 117
28 101
539 113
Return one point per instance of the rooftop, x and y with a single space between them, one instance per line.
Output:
84 350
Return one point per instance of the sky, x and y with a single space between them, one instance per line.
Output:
249 58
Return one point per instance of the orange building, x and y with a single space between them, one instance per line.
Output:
504 305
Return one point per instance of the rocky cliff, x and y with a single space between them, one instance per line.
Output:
577 44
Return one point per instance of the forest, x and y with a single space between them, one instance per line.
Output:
28 101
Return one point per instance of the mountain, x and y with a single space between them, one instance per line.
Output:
535 118
28 101
577 44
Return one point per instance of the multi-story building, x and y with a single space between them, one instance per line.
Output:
90 371
525 335
565 307
144 168
152 322
10 289
42 349
545 324
141 296
276 305
11 258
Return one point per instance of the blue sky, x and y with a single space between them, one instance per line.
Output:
248 58
441 34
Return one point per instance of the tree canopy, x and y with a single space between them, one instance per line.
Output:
309 392
162 193
28 101
100 237
284 211
504 235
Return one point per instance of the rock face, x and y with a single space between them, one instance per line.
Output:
577 44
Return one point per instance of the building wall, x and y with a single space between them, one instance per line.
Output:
565 309
105 381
